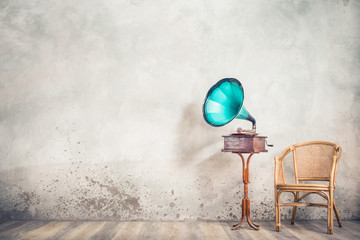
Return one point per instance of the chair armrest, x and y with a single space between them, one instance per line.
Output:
279 173
334 165
279 176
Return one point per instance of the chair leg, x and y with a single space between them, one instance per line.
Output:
278 224
293 215
330 229
277 211
296 197
337 215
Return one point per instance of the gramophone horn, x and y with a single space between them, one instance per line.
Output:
224 102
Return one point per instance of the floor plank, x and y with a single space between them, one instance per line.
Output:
320 228
65 230
350 229
128 230
84 231
172 230
108 231
46 231
10 224
234 234
213 231
80 230
263 233
150 230
192 231
20 230
299 231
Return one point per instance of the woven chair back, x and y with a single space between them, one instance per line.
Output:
313 160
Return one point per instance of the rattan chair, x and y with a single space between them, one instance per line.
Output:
313 161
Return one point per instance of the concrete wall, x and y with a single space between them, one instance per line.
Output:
100 104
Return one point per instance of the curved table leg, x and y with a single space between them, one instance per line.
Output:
253 225
246 214
250 222
237 226
243 216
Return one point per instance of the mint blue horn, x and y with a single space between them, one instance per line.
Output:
224 102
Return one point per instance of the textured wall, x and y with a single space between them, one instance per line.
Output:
100 104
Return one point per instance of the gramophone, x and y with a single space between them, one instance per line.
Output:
223 103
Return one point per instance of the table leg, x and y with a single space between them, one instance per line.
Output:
245 207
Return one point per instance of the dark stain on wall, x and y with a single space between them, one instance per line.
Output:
21 209
66 192
118 198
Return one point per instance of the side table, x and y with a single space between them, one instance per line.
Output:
245 143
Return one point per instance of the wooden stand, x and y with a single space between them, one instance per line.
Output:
245 207
240 144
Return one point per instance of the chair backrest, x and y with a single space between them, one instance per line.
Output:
314 160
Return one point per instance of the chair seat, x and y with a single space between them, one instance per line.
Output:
303 187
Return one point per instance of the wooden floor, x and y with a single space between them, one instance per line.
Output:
172 230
